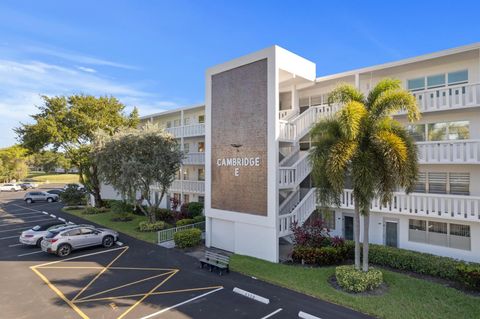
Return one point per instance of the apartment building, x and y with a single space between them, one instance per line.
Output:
247 152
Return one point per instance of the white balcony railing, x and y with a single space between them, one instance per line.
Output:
447 98
187 186
290 177
187 130
449 152
194 159
290 203
299 214
429 205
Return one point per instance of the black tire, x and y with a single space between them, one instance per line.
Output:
64 250
50 200
108 241
29 201
39 242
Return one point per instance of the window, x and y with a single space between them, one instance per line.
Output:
421 184
460 230
73 232
458 130
176 123
437 233
416 84
178 175
201 199
328 217
201 119
440 234
417 230
434 81
186 198
459 183
417 131
201 174
458 77
186 121
437 183
304 102
437 131
185 174
87 231
201 147
169 124
316 100
459 236
186 147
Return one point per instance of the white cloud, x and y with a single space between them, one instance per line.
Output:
23 82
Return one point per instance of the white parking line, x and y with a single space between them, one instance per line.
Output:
15 215
35 252
27 222
15 245
273 313
181 303
9 237
53 216
305 315
61 219
119 243
7 230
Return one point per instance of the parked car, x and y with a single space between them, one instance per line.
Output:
26 186
74 185
31 197
63 241
55 191
34 235
10 187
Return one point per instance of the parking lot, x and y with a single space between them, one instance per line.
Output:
133 279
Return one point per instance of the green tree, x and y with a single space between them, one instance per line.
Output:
13 163
69 124
363 141
137 160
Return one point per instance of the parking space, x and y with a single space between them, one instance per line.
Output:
134 280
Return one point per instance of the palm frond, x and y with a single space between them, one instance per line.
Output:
392 101
350 118
344 93
382 86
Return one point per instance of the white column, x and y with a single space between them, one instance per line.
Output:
357 80
295 101
181 147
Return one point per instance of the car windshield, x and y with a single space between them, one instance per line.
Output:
36 228
51 234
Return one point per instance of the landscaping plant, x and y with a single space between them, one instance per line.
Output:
187 238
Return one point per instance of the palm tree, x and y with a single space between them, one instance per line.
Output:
363 141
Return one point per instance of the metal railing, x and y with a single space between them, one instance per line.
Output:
445 152
167 234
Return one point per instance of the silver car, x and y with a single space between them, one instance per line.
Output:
34 235
63 241
31 197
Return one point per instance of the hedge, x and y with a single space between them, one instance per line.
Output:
186 221
145 226
195 209
321 256
199 219
354 280
188 238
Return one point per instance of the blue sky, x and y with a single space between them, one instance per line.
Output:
153 54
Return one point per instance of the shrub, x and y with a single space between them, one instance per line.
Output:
469 275
199 219
322 256
186 221
353 280
73 196
94 210
165 215
122 211
145 226
188 238
312 234
195 209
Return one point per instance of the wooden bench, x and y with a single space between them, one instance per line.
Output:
215 261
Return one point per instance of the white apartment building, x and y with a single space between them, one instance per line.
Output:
247 152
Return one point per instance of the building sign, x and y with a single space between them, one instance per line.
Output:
239 139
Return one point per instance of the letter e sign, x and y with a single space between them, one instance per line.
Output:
236 171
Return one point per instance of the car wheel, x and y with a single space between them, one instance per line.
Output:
39 242
64 250
29 200
108 241
49 199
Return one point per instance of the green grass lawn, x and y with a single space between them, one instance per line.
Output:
407 297
53 178
129 228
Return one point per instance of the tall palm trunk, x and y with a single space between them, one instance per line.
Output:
366 224
356 235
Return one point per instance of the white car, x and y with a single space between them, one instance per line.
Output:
10 187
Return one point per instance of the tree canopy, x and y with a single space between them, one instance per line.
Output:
139 162
69 124
364 142
13 163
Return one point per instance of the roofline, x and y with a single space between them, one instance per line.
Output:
420 58
183 108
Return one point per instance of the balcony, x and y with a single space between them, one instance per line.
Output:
187 186
292 176
448 98
453 207
194 159
449 152
187 130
